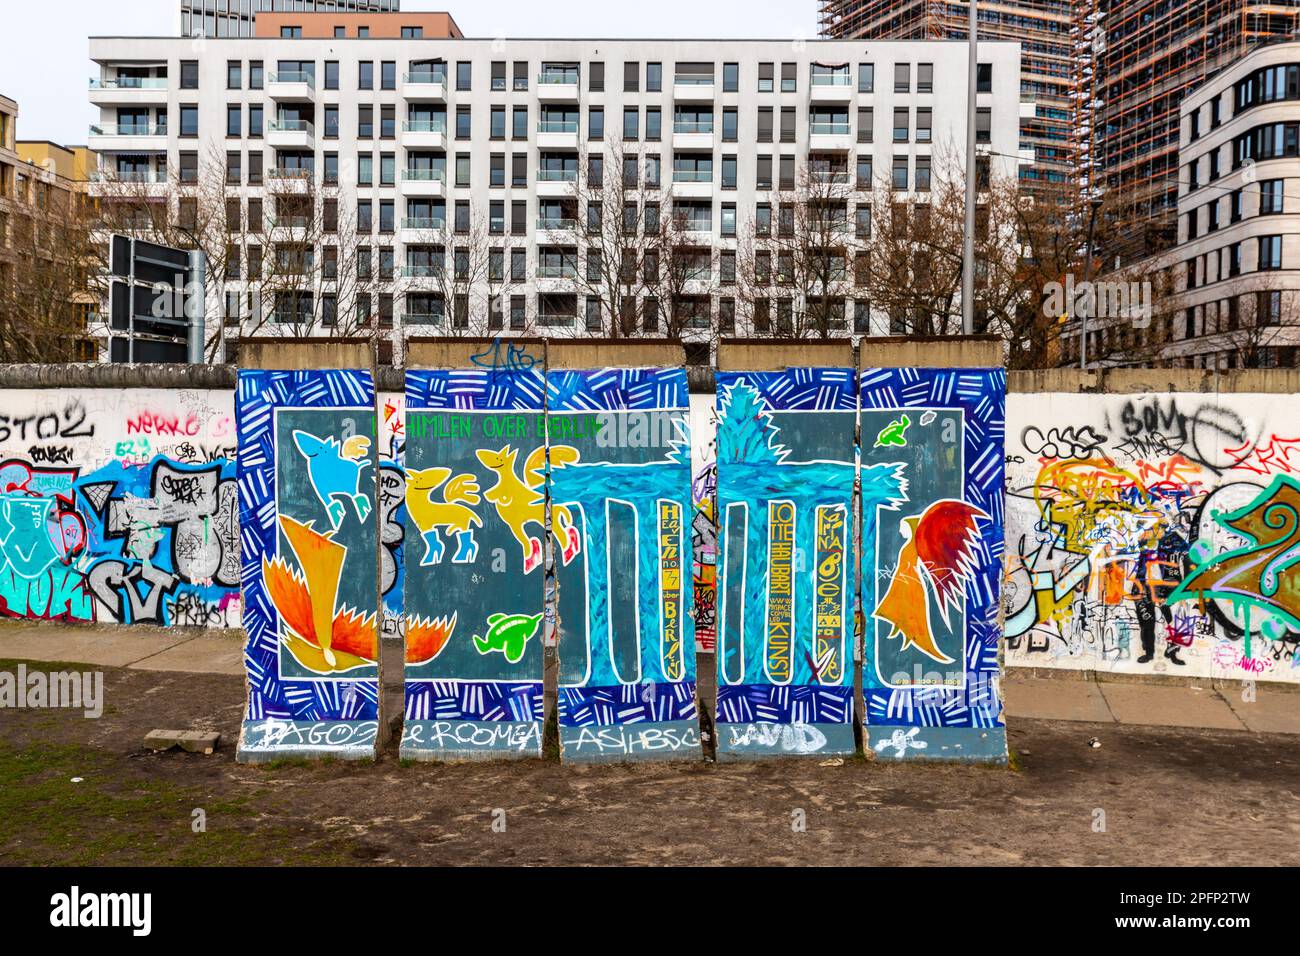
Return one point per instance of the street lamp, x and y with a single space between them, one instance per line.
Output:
968 246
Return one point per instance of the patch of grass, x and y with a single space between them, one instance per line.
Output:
114 818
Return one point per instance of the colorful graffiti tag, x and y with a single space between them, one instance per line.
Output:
307 490
620 484
476 460
119 506
933 444
1153 534
785 489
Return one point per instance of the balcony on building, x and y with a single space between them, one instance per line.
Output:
424 310
291 132
694 83
292 83
829 130
426 82
558 128
557 175
294 179
424 181
128 136
693 128
425 131
557 309
422 226
130 86
558 83
693 176
130 179
557 221
831 84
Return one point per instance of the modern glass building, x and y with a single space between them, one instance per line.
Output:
234 18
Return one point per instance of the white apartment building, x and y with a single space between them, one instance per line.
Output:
413 153
1235 274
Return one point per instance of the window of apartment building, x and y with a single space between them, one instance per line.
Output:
632 77
1212 213
730 125
519 128
497 171
866 124
519 170
984 125
388 75
763 174
766 77
923 173
256 121
366 169
727 222
731 77
189 122
787 167
899 176
901 125
462 222
518 217
653 124
464 76
464 118
653 171
234 121
330 215
789 77
654 77
1216 117
291 33
1270 197
866 77
1268 307
234 74
256 74
497 125
631 123
412 33
518 265
498 79
331 74
331 122
864 173
765 124
596 77
462 169
497 217
983 172
923 124
387 169
862 221
521 76
234 168
331 173
787 124
984 78
1270 253
902 77
1214 165
925 77
729 173
365 122
365 216
255 168
596 123
189 74
366 75
1194 125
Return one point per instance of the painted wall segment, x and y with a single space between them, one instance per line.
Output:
620 482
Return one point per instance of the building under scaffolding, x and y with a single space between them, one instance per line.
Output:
1048 33
1106 77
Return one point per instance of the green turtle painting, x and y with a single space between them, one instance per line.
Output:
509 634
895 434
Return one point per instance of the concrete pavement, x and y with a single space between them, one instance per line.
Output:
1274 709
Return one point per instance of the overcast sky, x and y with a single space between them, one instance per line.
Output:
43 48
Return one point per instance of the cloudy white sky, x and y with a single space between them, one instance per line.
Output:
43 48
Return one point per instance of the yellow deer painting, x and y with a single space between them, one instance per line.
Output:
522 501
452 514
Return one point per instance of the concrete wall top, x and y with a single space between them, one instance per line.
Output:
975 351
616 353
765 355
1143 381
117 376
473 352
299 354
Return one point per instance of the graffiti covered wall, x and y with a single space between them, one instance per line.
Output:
785 486
119 506
620 485
475 460
310 531
1154 534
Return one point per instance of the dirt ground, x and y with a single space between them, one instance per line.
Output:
1172 797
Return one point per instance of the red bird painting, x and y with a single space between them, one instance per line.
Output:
937 548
